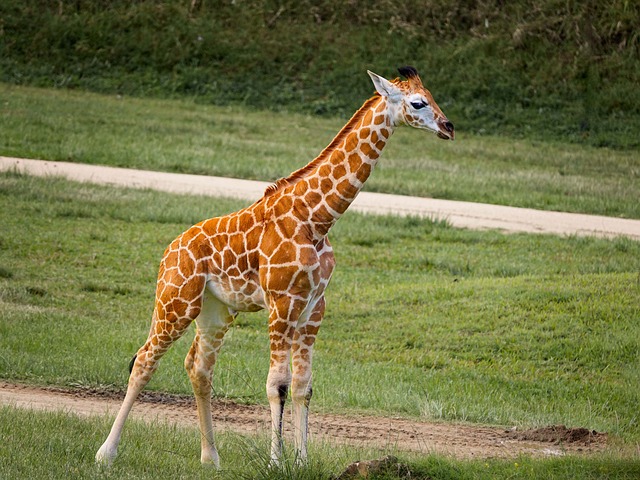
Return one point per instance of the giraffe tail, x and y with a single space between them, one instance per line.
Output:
133 360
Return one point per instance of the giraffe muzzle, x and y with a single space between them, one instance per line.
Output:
446 131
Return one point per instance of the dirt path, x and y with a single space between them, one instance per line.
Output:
461 441
459 214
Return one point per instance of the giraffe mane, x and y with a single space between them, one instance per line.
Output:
335 143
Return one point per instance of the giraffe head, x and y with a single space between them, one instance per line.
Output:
412 104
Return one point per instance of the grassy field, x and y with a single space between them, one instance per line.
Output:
440 323
54 446
533 69
182 136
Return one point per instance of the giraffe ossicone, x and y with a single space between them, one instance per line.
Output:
274 254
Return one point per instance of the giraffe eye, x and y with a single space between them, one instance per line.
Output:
418 105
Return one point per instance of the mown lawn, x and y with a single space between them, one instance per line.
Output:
423 320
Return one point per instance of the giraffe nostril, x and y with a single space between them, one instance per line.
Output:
448 126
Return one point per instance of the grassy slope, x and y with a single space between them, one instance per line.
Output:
439 323
232 141
526 68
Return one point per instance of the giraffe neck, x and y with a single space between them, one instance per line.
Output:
331 182
347 166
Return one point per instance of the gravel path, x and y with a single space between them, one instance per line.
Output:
459 214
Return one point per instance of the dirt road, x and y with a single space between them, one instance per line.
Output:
386 433
458 214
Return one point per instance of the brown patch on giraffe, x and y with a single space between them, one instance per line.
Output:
337 157
270 241
283 205
223 223
339 171
193 287
236 242
287 225
210 227
323 219
178 307
301 187
354 162
366 120
346 189
313 198
351 143
228 258
220 241
365 132
185 263
307 255
367 150
314 183
246 219
286 252
326 184
233 272
336 203
252 237
170 260
280 277
233 224
324 171
363 172
202 248
243 263
301 211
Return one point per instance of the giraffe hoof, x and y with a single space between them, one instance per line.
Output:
105 456
210 459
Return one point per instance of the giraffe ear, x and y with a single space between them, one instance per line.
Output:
384 87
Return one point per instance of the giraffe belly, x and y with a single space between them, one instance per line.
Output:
241 295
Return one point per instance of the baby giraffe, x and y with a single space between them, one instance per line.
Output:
274 254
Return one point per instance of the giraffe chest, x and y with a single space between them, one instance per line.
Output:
234 278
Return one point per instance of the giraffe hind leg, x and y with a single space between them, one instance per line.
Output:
144 363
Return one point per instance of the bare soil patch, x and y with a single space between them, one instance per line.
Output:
387 433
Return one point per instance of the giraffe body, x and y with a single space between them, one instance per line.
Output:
272 255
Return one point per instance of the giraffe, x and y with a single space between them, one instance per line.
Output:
272 255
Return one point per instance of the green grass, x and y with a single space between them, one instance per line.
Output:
439 323
182 136
57 445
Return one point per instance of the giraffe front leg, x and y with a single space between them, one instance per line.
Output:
282 320
301 389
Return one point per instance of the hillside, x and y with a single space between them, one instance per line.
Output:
564 70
